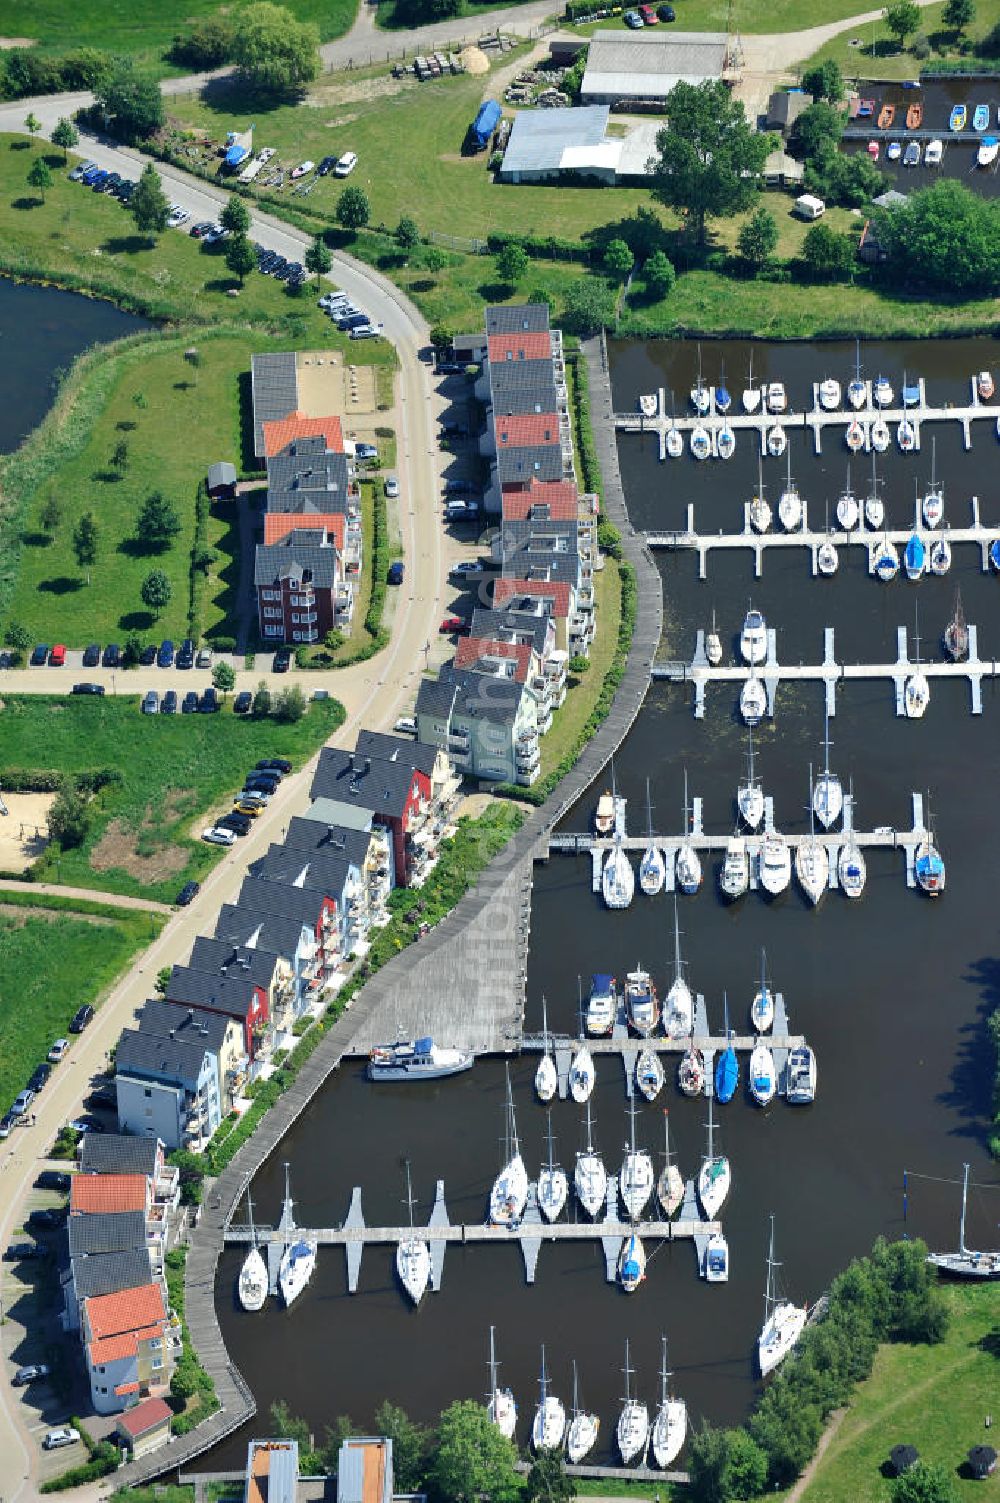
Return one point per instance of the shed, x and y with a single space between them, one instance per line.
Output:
782 171
901 1458
545 143
222 481
784 107
982 1462
641 68
144 1427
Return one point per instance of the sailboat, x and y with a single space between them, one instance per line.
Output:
956 633
776 397
550 1417
691 1070
678 1009
882 391
812 864
848 510
546 1077
827 794
932 506
553 1186
674 439
413 1256
750 795
734 874
581 1437
753 699
701 442
928 863
874 505
790 503
777 441
590 1178
725 442
774 864
636 1179
713 645
727 1066
670 1185
714 1176
917 689
252 1286
633 1422
879 435
854 436
783 1321
631 1263
906 436
687 862
852 871
701 399
915 556
966 1263
762 1006
670 1424
602 1005
939 556
751 393
649 1076
753 638
653 866
857 390
500 1406
510 1188
642 1005
297 1261
617 878
760 511
723 400
582 1071
885 559
827 557
761 1074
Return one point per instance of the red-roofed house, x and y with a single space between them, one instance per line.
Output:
527 430
130 1340
281 432
558 596
110 1193
144 1427
525 345
278 524
548 500
510 660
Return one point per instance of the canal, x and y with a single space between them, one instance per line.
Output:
892 991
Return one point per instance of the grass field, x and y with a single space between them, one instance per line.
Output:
568 721
886 61
53 959
750 16
145 833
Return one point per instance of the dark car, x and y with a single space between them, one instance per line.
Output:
277 266
23 1250
87 688
327 165
52 1179
81 1018
189 703
243 702
165 656
185 654
395 574
29 1374
126 191
282 660
188 893
147 656
40 1076
113 183
261 785
100 181
169 705
92 655
202 228
104 1098
112 655
51 1218
666 13
266 260
209 702
275 764
39 655
240 824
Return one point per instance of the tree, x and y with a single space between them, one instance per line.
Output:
132 99
40 176
709 159
409 1446
787 1431
943 238
407 233
547 1481
290 705
758 238
924 1482
958 14
511 263
746 1471
818 129
275 53
158 521
65 135
543 297
119 457
261 701
588 307
17 637
289 1426
435 259
849 180
902 18
150 206
156 591
643 232
353 209
318 259
825 81
131 650
224 677
617 260
32 125
51 515
441 338
473 1457
241 258
827 255
659 275
85 537
68 816
183 1382
235 217
725 1464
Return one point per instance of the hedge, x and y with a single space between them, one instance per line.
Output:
541 247
104 1458
197 575
50 780
590 470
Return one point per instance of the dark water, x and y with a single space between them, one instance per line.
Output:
41 331
892 992
958 159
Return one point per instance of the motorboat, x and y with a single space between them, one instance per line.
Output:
939 556
633 1423
914 116
417 1059
413 1255
509 1194
910 393
762 1006
648 404
649 1077
885 560
829 394
911 156
753 637
252 1286
790 504
734 874
956 633
727 1067
827 559
928 864
701 442
777 441
777 401
715 1263
546 1076
642 1006
670 1424
761 1075
581 1436
298 1260
879 435
653 866
916 694
725 442
602 1005
966 1263
882 392
582 1075
674 442
800 1076
750 794
893 151
774 864
631 1263
886 116
751 394
848 510
828 791
678 1012
713 645
691 1071
958 117
604 816
915 557
500 1406
590 1178
714 1176
854 437
635 1183
873 148
670 1185
984 386
981 117
866 109
687 862
618 878
933 153
852 873
553 1186
549 1426
783 1321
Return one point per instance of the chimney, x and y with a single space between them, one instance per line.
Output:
190 1016
171 1033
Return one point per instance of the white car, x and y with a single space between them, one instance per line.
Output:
217 836
333 300
251 796
58 1050
405 726
469 568
178 216
346 164
391 487
62 1435
303 168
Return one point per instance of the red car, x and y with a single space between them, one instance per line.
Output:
649 15
454 624
57 657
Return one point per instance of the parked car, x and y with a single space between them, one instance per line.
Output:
332 300
99 179
80 169
200 230
348 321
81 1018
327 164
281 660
112 655
185 654
57 657
102 1098
39 655
254 796
7 1124
87 688
188 893
215 835
666 13
649 16
169 705
204 658
405 726
50 1218
456 625
461 511
240 824
85 1124
346 164
467 568
243 702
396 572
391 487
19 1252
62 1435
248 807
147 657
165 656
58 1050
151 703
275 764
209 702
367 331
365 451
633 20
303 168
52 1179
30 1374
189 703
22 1101
92 655
214 236
40 1076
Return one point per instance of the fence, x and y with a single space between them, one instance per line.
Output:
458 243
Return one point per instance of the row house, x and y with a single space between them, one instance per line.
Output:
394 791
430 761
331 873
263 969
168 1087
98 1274
307 477
117 1153
280 434
291 942
231 994
547 667
131 1342
314 912
329 824
487 724
301 592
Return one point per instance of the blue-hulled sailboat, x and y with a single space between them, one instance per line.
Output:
915 557
727 1066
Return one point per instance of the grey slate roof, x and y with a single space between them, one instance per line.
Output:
146 1055
483 697
191 989
188 1025
311 503
109 1273
397 749
118 1153
295 561
501 624
306 835
370 782
436 696
307 468
321 871
222 473
533 461
269 932
213 955
515 318
516 531
282 900
275 386
106 1232
540 137
520 386
525 562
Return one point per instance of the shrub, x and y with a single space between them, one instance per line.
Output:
921 47
208 44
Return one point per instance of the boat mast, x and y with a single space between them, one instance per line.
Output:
493 1369
711 1126
409 1193
543 1382
664 1374
752 784
812 816
963 1250
826 742
576 1407
649 813
628 1371
549 1136
590 1145
769 1292
678 967
515 1145
545 1025
666 1135
579 1006
253 1234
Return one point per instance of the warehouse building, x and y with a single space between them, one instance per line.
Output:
638 69
551 145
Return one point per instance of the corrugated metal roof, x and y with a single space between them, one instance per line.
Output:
635 65
540 137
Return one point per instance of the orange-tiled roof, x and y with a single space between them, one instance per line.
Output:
527 430
555 590
124 1344
280 432
145 1416
123 1388
523 346
471 650
560 496
129 1310
278 524
108 1192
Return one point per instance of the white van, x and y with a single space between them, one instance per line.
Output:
809 207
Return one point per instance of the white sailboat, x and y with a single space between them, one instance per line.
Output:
509 1194
633 1422
549 1425
753 638
751 393
884 558
932 506
753 699
852 871
298 1260
812 863
674 441
631 1263
500 1406
750 794
734 874
874 505
760 511
670 1424
617 878
848 510
582 1070
725 442
777 442
828 792
939 556
636 1179
701 397
879 435
602 1005
252 1286
857 390
649 1076
590 1178
413 1256
546 1077
604 814
678 1006
761 1074
687 867
827 559
854 437
783 1321
653 866
581 1437
713 645
715 1175
691 1070
553 1186
762 1006
670 1185
966 1263
790 503
701 441
917 689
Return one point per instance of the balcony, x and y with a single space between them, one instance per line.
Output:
526 778
527 758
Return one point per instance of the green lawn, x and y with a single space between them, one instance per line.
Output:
568 721
748 16
51 961
933 1397
886 61
174 769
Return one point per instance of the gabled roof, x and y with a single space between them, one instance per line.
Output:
481 697
110 1273
474 653
371 782
119 1153
149 1415
531 629
233 994
526 430
122 1344
312 506
556 500
275 387
541 461
150 1057
519 345
327 872
108 1192
280 432
507 591
129 1310
220 959
523 386
260 895
278 525
107 1232
436 696
397 749
514 318
300 563
308 835
270 932
221 473
306 469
